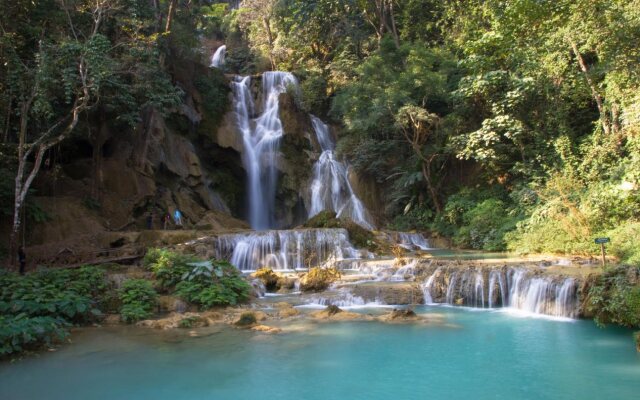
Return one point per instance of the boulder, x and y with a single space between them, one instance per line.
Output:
396 315
246 320
318 279
268 277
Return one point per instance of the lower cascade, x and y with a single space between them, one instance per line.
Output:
518 288
285 249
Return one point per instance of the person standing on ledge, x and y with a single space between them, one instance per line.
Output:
177 217
165 222
150 220
22 259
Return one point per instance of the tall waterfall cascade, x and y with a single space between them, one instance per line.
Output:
261 142
330 187
217 60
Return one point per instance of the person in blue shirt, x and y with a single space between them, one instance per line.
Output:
177 217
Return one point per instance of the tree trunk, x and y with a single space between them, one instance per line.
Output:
172 10
604 118
426 172
393 29
267 27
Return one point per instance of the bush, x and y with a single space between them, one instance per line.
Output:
485 225
624 242
138 299
168 266
38 308
213 283
613 298
21 332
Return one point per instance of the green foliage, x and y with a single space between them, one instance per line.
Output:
624 242
214 91
484 226
205 283
21 332
138 299
37 308
168 266
614 299
213 283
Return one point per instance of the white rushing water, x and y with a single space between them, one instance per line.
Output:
330 187
261 141
412 241
217 60
518 289
285 249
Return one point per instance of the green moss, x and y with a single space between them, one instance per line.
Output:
324 219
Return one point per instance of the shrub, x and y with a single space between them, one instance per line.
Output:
613 298
21 332
624 242
38 308
168 266
213 283
485 225
138 300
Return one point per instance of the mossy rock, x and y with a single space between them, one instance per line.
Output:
270 279
324 219
359 236
332 309
246 320
636 335
319 279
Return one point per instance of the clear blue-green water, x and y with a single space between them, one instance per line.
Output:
476 355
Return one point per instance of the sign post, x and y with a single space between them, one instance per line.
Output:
601 241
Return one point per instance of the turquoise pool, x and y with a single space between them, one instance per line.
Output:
476 355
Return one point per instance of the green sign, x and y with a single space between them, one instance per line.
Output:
602 240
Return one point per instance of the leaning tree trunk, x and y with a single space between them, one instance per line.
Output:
604 117
426 173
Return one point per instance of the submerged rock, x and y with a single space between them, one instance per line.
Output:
266 329
334 313
286 310
397 315
176 320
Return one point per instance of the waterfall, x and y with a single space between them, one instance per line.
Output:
451 287
542 295
286 249
330 187
341 299
261 141
400 275
426 287
217 61
412 241
515 288
496 277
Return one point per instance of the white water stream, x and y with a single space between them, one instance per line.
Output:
330 187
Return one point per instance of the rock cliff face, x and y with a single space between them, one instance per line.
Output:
90 187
